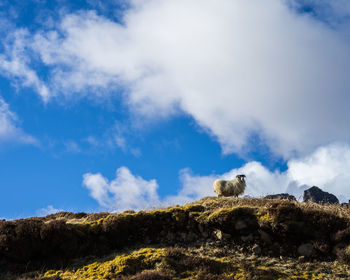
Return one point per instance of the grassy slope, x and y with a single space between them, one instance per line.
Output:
214 238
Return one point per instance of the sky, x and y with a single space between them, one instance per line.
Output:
138 104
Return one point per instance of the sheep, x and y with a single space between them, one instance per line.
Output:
234 187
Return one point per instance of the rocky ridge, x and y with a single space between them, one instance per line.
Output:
214 238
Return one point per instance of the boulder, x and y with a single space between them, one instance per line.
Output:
345 204
240 224
221 235
281 196
305 250
247 238
265 237
316 195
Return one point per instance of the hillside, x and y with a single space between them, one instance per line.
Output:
213 238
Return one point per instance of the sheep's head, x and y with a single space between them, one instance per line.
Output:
241 177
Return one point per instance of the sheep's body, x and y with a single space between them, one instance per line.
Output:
234 187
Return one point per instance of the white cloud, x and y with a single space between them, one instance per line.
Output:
121 136
14 63
48 210
72 147
9 130
99 188
91 140
238 67
328 168
125 192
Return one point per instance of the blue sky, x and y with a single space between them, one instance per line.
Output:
113 105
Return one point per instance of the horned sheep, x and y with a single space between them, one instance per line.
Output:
234 187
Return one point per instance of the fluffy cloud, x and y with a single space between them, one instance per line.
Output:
239 68
15 63
9 130
327 167
125 192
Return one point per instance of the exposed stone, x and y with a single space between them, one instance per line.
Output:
200 228
305 250
218 234
256 249
338 247
265 237
240 224
316 195
275 248
221 235
323 247
204 233
281 196
247 238
129 212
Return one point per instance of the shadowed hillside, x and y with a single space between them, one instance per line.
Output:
214 238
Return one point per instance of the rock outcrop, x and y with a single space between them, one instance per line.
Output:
316 195
281 196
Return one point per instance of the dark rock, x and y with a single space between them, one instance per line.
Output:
316 195
265 237
281 196
305 250
247 238
221 235
203 232
275 248
338 248
239 225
